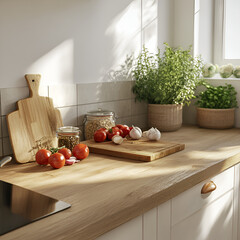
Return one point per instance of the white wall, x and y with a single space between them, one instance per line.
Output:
183 23
193 25
165 22
204 29
76 41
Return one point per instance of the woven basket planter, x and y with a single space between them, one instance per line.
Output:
215 118
165 117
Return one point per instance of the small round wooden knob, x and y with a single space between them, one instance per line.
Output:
208 187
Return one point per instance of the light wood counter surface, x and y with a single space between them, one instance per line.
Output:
107 191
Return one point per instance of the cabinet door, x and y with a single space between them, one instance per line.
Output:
164 221
191 201
131 230
152 225
212 222
236 227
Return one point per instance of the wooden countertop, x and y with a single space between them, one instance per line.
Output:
107 191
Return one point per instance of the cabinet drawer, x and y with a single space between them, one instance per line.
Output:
212 222
190 201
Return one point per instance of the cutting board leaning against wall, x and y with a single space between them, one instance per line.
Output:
34 124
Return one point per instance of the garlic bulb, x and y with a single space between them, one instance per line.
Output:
152 134
117 139
135 133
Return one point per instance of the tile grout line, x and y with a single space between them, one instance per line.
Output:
77 103
1 120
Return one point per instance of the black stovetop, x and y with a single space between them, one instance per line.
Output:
20 206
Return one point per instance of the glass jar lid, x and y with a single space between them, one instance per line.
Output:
100 113
68 130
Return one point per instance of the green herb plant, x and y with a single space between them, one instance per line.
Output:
170 78
220 97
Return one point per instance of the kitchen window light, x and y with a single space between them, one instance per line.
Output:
226 32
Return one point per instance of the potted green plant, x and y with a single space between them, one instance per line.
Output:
216 106
166 82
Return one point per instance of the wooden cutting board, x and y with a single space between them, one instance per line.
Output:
142 150
34 124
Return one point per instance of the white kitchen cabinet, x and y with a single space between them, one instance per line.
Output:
212 222
164 221
191 201
190 215
131 230
152 225
197 216
236 229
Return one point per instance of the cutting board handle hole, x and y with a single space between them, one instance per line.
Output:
33 80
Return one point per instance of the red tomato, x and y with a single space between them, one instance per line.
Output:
121 132
65 152
100 136
115 128
57 160
42 156
102 129
119 126
125 129
80 151
113 131
118 129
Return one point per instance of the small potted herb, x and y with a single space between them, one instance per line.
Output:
216 107
166 82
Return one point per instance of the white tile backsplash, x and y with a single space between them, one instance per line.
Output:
9 98
121 108
103 92
125 121
69 115
4 127
190 114
138 107
1 148
83 109
7 148
140 121
63 95
112 96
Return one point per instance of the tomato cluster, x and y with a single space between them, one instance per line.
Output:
103 134
62 156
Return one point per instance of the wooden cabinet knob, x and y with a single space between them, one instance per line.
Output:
208 187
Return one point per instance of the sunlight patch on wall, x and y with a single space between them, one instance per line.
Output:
125 31
150 36
57 65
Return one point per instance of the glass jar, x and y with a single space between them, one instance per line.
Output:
97 119
68 136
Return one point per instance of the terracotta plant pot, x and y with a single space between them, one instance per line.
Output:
165 117
215 118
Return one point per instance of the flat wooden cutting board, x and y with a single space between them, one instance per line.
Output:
142 150
34 124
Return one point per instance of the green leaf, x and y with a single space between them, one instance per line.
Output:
168 78
219 97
